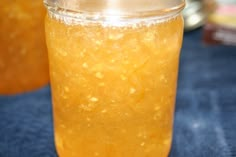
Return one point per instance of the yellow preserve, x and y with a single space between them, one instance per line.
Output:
23 54
114 86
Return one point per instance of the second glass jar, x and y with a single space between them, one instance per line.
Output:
23 53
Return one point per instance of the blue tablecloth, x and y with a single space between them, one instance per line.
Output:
205 119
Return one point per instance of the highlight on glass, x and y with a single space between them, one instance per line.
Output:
113 68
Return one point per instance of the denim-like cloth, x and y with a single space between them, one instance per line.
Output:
205 119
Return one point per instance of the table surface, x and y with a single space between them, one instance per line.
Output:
205 119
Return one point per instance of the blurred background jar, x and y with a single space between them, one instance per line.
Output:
196 13
23 55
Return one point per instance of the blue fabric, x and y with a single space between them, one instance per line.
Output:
205 120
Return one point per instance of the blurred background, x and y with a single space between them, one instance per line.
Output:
217 17
209 49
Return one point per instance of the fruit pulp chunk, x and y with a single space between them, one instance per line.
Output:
23 53
113 87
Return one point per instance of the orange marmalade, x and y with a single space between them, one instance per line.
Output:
23 55
113 86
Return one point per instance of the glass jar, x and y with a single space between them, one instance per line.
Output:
23 53
113 68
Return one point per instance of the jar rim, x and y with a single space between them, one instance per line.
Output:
111 14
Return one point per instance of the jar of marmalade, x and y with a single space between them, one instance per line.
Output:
113 68
23 54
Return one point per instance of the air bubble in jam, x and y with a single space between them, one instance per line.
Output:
85 65
142 144
132 90
94 99
104 111
99 75
66 89
123 77
120 105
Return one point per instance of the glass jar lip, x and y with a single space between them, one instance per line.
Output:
109 15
